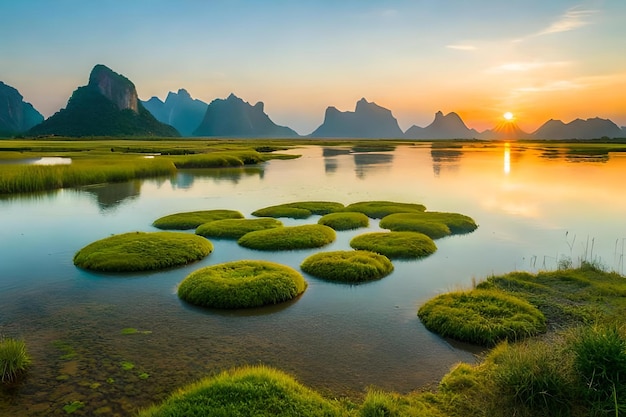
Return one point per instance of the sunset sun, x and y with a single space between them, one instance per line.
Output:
508 115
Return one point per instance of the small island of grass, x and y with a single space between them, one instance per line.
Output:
141 251
415 222
345 220
380 209
289 238
235 228
241 284
299 210
193 219
348 266
482 317
395 245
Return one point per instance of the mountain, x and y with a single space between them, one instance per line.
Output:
595 128
107 106
233 117
450 126
16 116
368 120
178 110
507 130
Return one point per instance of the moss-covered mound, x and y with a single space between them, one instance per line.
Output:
380 209
344 221
348 266
289 238
299 210
241 284
193 219
414 222
482 317
255 391
455 222
139 251
396 245
235 228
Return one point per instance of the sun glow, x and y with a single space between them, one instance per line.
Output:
508 115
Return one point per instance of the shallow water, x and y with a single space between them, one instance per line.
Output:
533 207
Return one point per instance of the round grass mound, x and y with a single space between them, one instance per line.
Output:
289 238
380 209
193 219
299 210
344 221
457 223
257 391
483 317
140 251
348 266
235 228
395 245
413 222
241 284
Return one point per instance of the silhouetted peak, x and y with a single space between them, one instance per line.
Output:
438 114
117 88
233 97
183 93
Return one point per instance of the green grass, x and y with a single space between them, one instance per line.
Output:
347 266
344 221
254 391
193 219
289 238
241 284
235 228
395 245
483 317
380 209
14 359
139 251
415 222
299 210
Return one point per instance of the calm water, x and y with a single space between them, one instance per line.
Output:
533 206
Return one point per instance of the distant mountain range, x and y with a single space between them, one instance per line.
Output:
109 106
16 116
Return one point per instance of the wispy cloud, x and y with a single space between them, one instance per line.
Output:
527 66
574 18
462 47
551 86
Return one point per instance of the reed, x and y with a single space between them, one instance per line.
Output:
14 360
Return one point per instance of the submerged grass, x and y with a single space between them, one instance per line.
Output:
241 284
289 238
139 251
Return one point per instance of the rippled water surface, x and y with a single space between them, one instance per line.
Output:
534 207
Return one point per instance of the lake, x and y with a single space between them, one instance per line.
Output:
535 206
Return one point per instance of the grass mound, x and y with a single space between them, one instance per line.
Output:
241 284
348 266
482 317
455 222
235 228
139 251
380 209
344 221
14 360
255 391
193 219
289 238
413 222
395 245
299 210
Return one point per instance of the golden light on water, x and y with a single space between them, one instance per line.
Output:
507 158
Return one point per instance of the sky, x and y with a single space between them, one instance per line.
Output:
537 59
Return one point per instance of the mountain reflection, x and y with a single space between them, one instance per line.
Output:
366 163
445 157
185 178
109 196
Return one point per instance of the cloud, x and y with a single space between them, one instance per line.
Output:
551 86
527 66
462 47
574 18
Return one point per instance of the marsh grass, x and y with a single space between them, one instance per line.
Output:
344 221
193 219
482 317
255 391
289 238
456 222
348 266
14 359
413 222
140 251
241 284
380 209
299 210
235 228
395 245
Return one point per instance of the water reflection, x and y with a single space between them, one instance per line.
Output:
366 163
507 158
445 157
109 196
185 179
